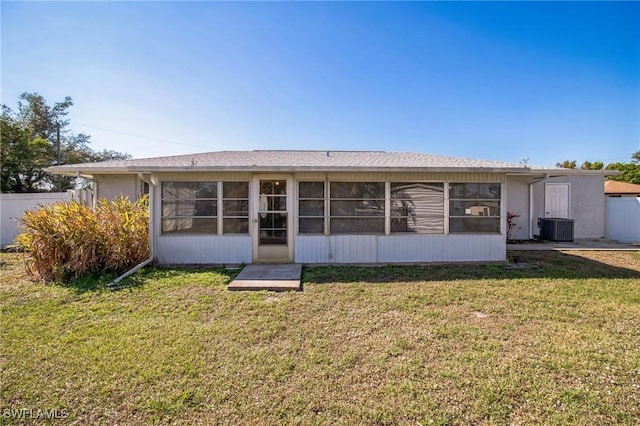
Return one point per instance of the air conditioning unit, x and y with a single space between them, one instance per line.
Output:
556 229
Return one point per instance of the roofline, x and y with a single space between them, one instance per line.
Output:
621 192
70 171
569 172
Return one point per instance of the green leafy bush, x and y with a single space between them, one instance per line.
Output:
67 240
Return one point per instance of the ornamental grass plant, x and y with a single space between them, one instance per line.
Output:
68 240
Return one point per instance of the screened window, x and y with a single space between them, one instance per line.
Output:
189 207
311 207
357 207
235 207
474 207
417 208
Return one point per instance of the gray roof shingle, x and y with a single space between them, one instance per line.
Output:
293 161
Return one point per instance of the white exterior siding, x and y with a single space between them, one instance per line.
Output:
221 249
112 186
204 249
399 248
311 249
354 248
441 248
402 177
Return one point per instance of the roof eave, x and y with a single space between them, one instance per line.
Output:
65 170
569 172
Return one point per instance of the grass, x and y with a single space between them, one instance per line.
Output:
547 338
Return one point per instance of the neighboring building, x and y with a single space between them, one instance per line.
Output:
344 207
615 189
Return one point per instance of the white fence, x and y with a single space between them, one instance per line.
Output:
13 206
622 221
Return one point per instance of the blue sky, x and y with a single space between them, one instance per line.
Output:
505 81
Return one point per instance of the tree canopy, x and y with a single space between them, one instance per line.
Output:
29 144
629 172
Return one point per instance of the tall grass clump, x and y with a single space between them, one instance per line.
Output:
67 240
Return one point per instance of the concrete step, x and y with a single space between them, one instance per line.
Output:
280 277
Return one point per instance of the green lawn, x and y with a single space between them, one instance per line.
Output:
548 338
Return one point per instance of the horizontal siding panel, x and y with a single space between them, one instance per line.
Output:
206 249
413 176
308 176
204 176
344 176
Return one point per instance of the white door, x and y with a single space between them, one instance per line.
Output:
556 200
271 222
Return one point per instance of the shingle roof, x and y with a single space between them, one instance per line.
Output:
293 160
615 187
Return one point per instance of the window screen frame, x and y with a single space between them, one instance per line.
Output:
382 215
224 217
478 199
441 216
325 203
213 218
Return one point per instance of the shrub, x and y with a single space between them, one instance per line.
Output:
67 240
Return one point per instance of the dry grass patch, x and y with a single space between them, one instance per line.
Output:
552 341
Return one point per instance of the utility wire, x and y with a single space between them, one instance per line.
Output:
135 136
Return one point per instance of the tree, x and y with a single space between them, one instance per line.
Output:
629 172
29 144
596 165
566 164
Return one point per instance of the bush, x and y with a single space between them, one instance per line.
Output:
67 240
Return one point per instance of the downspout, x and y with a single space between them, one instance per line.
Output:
544 179
151 239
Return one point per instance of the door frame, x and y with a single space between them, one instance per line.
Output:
254 219
550 184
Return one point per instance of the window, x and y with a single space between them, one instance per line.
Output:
235 207
474 208
357 207
189 207
311 208
417 208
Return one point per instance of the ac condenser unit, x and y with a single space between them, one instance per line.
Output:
556 229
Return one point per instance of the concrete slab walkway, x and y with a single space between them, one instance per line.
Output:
281 277
577 244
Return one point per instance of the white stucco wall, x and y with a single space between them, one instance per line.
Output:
518 203
586 204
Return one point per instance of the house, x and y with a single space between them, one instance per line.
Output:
615 189
343 206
